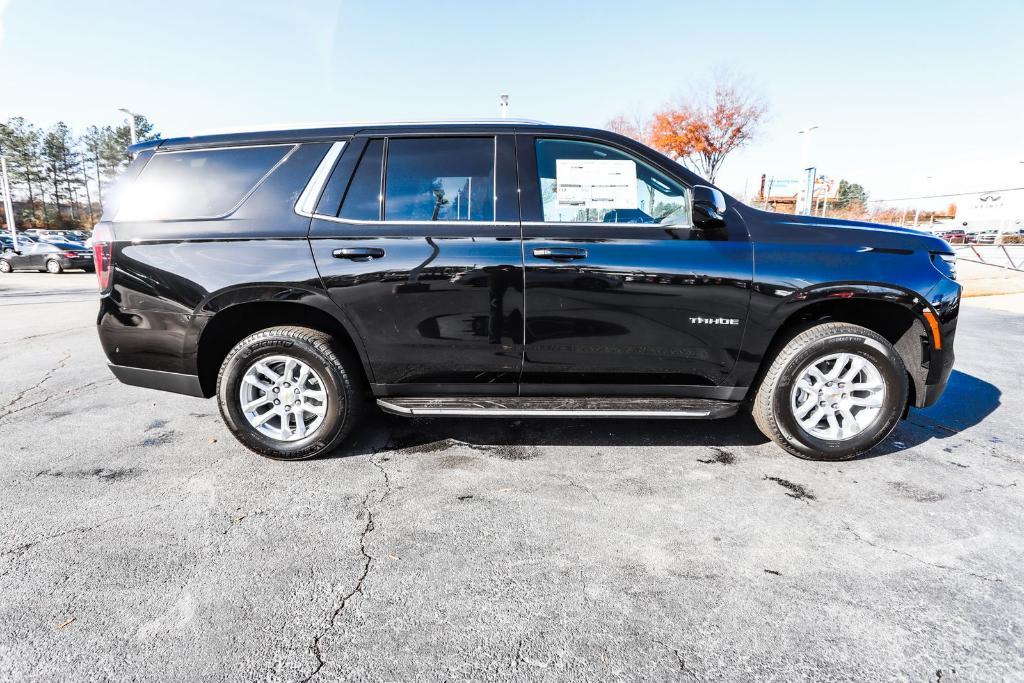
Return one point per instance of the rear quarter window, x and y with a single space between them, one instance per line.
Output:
204 183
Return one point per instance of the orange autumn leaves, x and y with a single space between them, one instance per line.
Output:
699 134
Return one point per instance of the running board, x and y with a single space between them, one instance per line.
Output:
558 406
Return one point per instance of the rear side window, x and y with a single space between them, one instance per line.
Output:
439 179
191 184
362 200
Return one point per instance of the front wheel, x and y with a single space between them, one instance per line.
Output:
833 392
289 393
5 266
53 267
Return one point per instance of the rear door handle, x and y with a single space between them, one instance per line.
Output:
560 253
359 253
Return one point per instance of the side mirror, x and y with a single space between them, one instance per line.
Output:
708 207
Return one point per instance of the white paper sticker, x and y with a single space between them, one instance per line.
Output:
596 183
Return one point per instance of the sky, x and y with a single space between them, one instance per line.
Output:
909 97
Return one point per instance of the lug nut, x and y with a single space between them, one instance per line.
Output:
286 385
298 402
834 406
822 404
276 390
277 402
287 408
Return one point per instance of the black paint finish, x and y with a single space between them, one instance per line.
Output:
514 306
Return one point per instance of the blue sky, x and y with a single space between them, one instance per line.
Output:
901 90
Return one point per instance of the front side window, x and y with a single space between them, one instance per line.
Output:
439 179
584 182
203 183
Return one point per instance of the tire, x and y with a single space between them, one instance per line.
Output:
333 372
5 266
800 373
53 267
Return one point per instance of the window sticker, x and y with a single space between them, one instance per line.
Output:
596 183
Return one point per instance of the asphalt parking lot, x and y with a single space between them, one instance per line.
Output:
138 540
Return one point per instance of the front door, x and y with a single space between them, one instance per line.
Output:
417 240
623 294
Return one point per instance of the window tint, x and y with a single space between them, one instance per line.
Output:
590 183
197 183
440 179
362 200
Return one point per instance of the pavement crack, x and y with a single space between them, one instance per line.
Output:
915 558
984 487
47 399
339 609
45 378
581 487
680 660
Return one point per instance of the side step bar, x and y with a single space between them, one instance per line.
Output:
558 406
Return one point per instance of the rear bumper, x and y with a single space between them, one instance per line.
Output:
158 379
84 262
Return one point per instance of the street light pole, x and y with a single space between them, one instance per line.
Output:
809 167
917 207
5 186
131 123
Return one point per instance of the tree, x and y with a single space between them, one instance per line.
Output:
850 196
19 142
702 133
62 164
634 126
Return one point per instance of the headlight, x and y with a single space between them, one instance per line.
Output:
945 264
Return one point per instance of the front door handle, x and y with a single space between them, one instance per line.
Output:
359 253
560 253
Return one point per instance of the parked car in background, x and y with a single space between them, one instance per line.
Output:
52 257
52 235
954 236
983 236
506 270
7 243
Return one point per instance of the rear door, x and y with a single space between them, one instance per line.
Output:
417 239
623 294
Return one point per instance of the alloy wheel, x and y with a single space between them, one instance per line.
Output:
838 396
283 398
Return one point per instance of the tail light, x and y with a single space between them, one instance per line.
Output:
102 248
70 254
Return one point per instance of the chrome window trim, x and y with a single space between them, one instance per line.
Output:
351 221
306 204
661 226
218 148
236 207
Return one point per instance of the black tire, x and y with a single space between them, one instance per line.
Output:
53 267
772 409
339 370
5 266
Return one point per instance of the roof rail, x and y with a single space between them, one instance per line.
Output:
361 124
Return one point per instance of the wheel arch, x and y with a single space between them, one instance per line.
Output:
897 315
239 314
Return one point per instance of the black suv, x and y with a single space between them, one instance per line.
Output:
505 268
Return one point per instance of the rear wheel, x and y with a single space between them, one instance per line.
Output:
289 393
5 266
53 266
833 392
